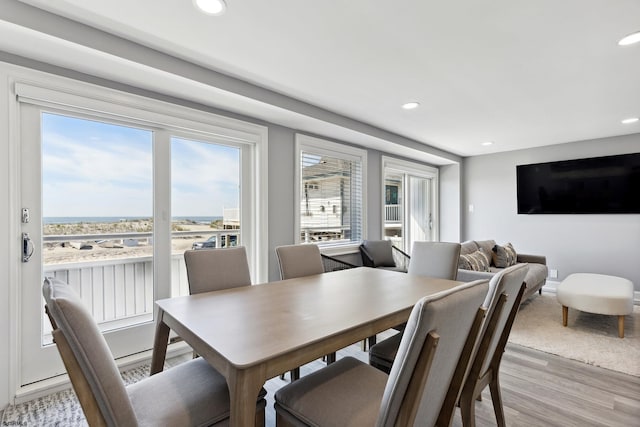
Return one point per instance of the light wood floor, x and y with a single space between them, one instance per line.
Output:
538 389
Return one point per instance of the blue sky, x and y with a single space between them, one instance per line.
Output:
90 168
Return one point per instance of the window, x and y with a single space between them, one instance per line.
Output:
115 187
330 192
205 199
410 210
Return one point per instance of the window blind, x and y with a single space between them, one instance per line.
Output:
331 202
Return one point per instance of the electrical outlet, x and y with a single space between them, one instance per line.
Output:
553 274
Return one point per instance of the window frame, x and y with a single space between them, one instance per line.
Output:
341 151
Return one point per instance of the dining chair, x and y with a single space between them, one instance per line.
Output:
299 261
383 254
190 394
502 307
438 341
435 259
431 259
216 269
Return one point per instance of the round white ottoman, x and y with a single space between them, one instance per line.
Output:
596 293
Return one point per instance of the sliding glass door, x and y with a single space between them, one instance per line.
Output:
410 203
205 201
87 189
419 217
110 198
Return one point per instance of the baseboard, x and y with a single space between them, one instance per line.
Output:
552 286
61 382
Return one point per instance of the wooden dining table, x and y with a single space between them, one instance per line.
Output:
253 333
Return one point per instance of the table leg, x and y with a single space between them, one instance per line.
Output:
565 315
244 386
160 342
621 326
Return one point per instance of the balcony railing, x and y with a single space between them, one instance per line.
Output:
119 291
393 213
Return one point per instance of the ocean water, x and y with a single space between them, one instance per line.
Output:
107 219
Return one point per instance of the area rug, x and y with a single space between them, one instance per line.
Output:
589 338
61 409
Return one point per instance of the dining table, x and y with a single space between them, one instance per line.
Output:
253 333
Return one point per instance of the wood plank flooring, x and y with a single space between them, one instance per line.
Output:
538 389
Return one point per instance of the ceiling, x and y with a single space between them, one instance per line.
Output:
519 73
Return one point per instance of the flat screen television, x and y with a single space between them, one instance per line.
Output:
598 185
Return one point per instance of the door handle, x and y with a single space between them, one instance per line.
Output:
27 247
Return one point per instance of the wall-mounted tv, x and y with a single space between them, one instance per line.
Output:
598 185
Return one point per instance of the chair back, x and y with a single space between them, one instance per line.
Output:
87 358
433 342
505 288
299 260
377 253
215 269
435 259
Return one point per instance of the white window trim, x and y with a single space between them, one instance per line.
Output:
419 170
333 149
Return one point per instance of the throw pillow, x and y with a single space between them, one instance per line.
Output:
476 261
504 256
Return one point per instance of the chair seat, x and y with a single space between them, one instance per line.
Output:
166 399
318 398
384 353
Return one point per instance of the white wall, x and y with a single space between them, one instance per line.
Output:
374 195
606 244
281 192
450 199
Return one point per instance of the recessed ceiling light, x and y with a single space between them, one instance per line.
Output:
411 105
487 143
630 120
211 7
630 39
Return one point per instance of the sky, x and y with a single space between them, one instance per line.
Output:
90 168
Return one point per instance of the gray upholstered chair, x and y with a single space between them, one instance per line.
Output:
215 269
432 259
299 261
433 356
190 394
435 259
382 254
503 301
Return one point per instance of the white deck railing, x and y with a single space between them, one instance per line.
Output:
392 213
119 292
